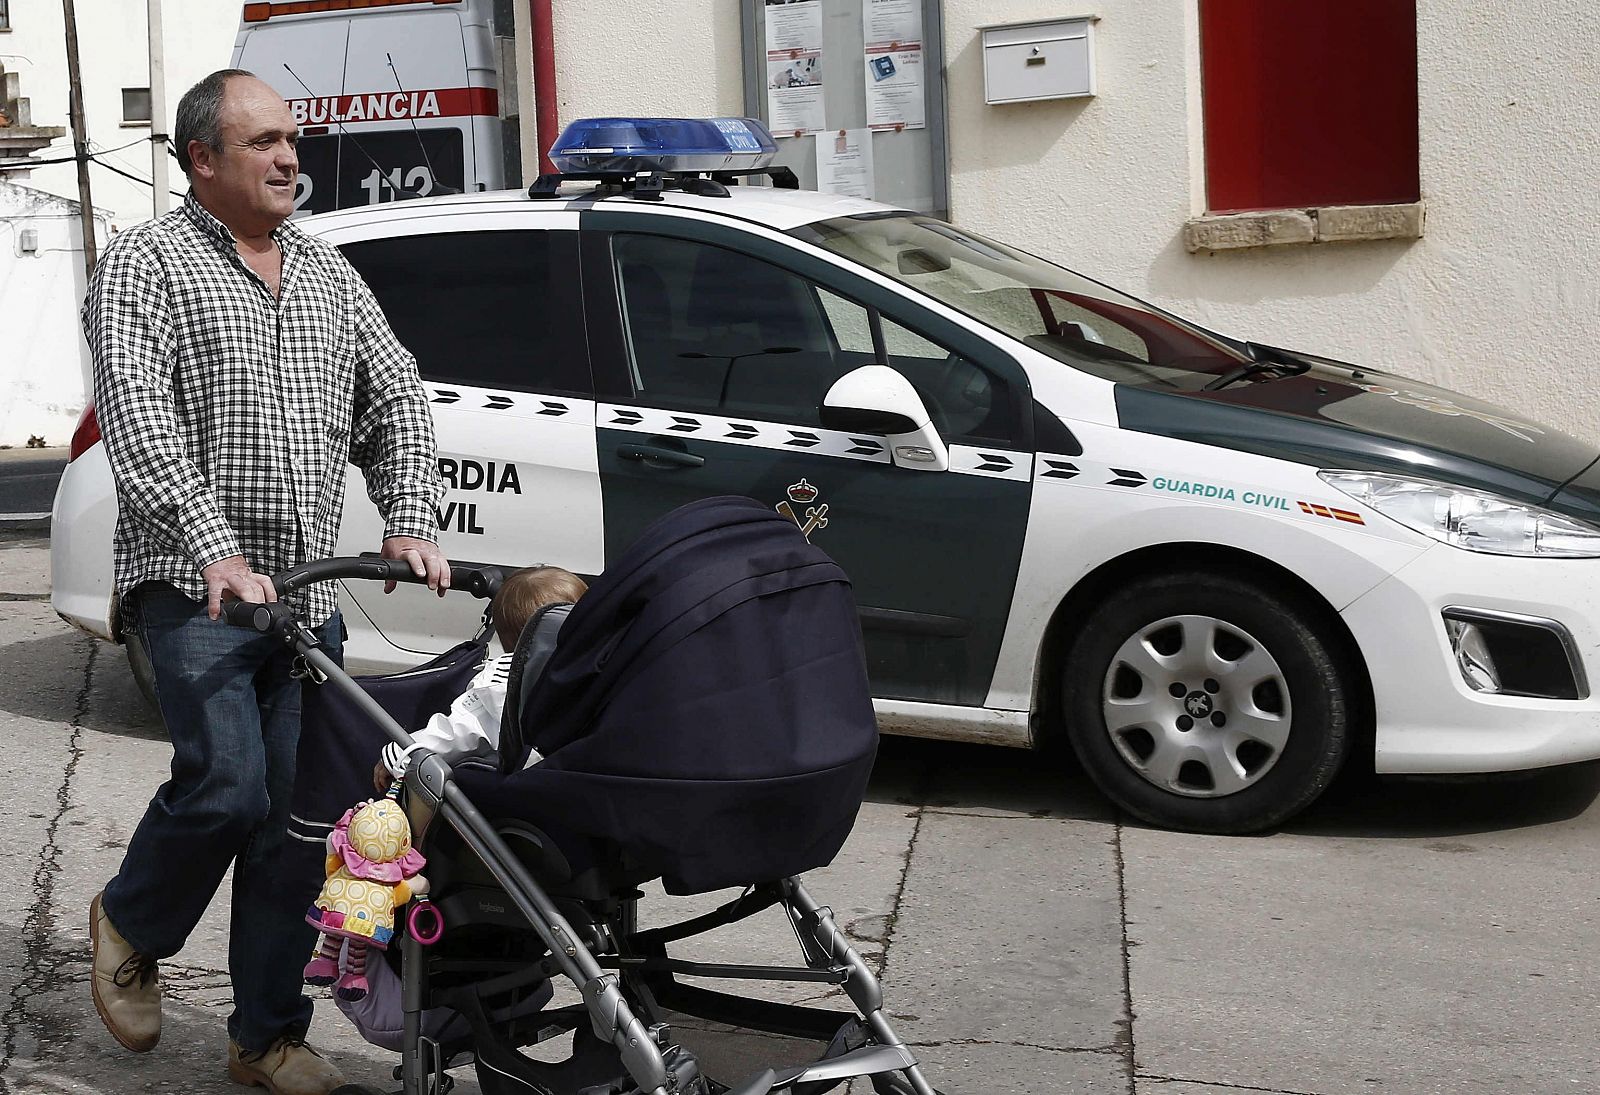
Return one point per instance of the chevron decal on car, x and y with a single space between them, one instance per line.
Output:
552 408
499 403
1059 469
966 460
757 435
1126 478
445 395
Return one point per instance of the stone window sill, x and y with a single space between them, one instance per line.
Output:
1283 227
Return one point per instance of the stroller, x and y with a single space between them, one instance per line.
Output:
704 721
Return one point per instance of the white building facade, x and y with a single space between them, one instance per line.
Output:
1497 296
43 361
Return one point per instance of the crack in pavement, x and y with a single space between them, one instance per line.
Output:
892 920
1125 1024
1218 1083
42 963
1103 1051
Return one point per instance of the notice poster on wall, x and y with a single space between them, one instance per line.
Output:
889 22
844 162
895 95
794 67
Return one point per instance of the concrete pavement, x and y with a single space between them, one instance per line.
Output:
1399 938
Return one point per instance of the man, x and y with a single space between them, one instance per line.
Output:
238 364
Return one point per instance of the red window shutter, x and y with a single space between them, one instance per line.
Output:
1310 102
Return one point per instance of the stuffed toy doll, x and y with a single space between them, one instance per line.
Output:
372 871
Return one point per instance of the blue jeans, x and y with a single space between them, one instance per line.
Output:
232 709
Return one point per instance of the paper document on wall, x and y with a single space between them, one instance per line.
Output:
895 94
794 67
844 162
885 22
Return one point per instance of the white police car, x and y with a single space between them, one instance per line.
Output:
1216 568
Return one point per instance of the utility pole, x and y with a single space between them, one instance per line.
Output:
80 140
160 195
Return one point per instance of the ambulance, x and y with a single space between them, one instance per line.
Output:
1217 569
394 98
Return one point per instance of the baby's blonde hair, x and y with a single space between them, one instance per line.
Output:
525 592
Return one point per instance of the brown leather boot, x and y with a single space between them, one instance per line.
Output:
287 1067
126 985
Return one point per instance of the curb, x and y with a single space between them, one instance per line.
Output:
24 522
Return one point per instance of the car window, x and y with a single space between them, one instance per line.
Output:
1047 307
491 309
965 401
714 330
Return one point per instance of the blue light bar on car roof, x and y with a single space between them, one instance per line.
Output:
627 146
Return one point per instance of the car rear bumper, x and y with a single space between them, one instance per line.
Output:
1429 720
82 524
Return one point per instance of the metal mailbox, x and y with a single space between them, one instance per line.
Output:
1043 60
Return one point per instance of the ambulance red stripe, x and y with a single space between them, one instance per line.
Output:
449 102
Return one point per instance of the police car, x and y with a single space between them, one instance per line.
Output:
1218 569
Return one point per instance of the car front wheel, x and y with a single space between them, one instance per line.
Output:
1207 702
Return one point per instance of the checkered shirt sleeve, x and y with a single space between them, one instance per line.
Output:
128 323
391 439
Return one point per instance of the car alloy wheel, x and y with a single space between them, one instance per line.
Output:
1197 706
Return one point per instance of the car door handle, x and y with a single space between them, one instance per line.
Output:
654 453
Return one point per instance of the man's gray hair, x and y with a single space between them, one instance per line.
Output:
200 115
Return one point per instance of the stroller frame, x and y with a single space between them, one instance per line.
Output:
611 955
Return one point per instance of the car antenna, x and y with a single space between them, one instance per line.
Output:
438 187
343 132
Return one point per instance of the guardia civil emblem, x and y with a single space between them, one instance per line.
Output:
800 508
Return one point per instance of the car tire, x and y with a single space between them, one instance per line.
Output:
144 675
1208 702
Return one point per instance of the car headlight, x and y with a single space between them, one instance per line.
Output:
1469 519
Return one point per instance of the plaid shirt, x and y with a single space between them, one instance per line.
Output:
229 416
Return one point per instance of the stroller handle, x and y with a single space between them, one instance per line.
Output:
479 579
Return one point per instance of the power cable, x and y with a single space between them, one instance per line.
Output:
27 163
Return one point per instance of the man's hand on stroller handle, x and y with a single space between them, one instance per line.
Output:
424 558
234 577
252 589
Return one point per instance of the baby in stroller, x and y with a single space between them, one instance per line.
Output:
471 728
704 724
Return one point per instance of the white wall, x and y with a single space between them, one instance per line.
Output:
43 360
680 59
113 53
1500 297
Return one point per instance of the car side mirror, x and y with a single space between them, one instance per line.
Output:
876 399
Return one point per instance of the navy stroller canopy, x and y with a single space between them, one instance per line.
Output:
705 710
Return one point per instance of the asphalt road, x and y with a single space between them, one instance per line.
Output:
28 480
1411 938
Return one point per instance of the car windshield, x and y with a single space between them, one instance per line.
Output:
1042 305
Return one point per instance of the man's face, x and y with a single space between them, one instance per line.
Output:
249 185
